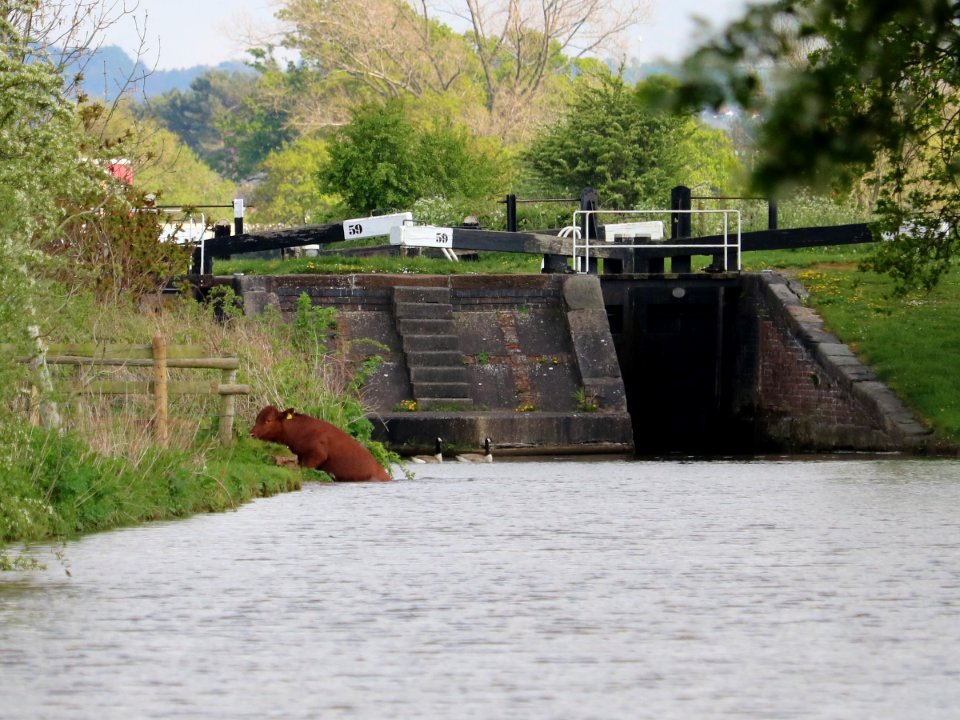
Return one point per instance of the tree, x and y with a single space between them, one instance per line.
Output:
161 162
65 217
193 114
69 34
389 48
288 192
382 160
118 254
173 173
709 164
519 44
41 164
609 138
40 151
506 59
231 120
877 93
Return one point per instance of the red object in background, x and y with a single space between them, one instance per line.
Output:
122 170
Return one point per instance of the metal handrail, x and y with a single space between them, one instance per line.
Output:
726 245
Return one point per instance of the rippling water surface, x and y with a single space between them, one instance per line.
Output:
514 590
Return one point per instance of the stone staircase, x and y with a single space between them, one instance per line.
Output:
424 317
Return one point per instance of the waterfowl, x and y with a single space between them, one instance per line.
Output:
477 457
437 457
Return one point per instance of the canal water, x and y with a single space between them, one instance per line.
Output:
568 590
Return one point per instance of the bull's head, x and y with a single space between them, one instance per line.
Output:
269 424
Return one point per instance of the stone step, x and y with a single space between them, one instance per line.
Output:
443 403
424 326
424 318
412 294
438 375
460 390
423 311
427 343
434 358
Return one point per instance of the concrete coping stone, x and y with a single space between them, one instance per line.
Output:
582 292
835 350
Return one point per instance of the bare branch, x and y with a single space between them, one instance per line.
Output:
507 48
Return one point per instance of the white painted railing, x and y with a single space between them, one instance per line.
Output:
644 234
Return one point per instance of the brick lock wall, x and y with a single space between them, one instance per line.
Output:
793 397
517 323
792 384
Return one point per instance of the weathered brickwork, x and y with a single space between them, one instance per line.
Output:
792 383
527 368
535 343
805 390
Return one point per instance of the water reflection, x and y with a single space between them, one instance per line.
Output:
514 590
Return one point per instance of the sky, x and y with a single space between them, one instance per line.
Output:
184 33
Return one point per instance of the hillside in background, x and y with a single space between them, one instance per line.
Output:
109 70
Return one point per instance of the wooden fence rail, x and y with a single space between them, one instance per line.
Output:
160 357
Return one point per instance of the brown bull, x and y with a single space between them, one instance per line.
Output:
318 444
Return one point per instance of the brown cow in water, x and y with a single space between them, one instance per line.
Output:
318 444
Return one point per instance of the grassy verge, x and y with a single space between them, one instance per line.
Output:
487 263
66 489
848 255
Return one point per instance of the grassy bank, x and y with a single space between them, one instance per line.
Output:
911 342
104 469
63 488
487 263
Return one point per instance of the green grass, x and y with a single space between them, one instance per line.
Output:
912 342
62 489
487 263
805 257
492 263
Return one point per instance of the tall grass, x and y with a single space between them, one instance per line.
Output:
104 468
802 209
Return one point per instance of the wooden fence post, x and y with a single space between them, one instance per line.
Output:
160 390
157 355
229 408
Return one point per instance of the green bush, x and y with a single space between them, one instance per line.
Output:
382 160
